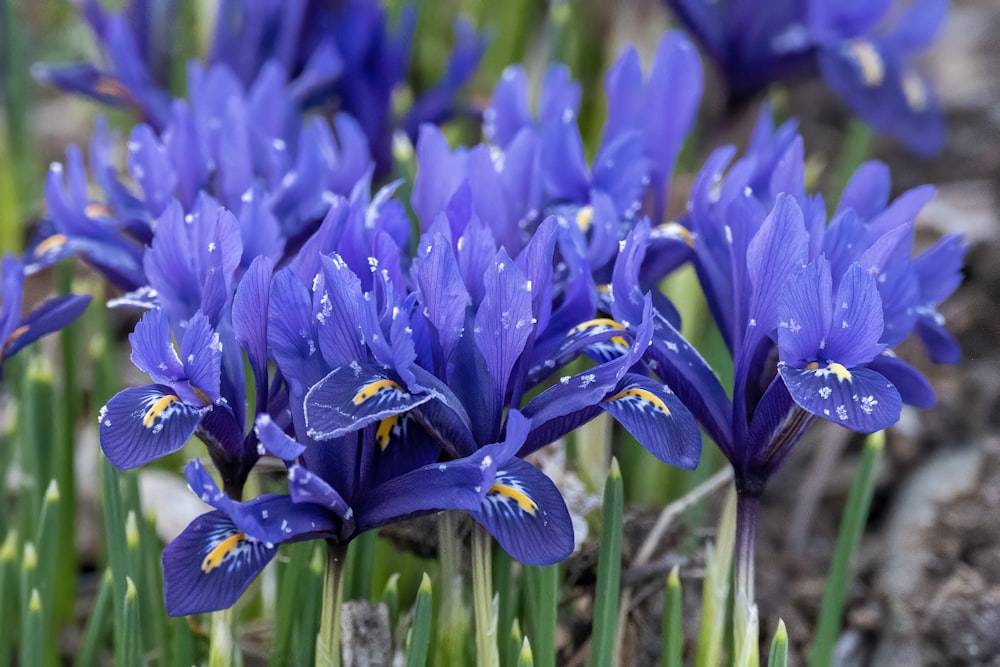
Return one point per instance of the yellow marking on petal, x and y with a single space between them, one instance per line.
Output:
97 210
384 430
643 395
869 61
218 554
599 322
604 289
51 243
915 91
677 229
584 217
373 388
833 367
520 497
17 333
841 372
157 409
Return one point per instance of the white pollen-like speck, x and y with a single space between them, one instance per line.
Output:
841 413
824 392
564 379
586 380
442 467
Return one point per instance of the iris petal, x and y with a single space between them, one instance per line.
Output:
527 516
209 565
657 419
140 424
352 397
858 398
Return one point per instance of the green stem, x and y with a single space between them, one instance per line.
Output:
609 563
453 622
744 610
487 651
851 526
328 638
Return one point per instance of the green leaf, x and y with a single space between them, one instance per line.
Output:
672 653
602 644
420 632
778 656
851 526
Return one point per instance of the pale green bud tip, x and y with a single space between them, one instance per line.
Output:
8 552
40 370
877 440
674 578
402 147
526 652
97 347
30 558
35 604
393 583
130 591
316 564
560 12
108 576
515 629
615 472
131 530
52 492
781 634
425 584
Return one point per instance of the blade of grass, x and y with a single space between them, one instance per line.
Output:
131 654
609 563
96 631
390 598
294 575
304 646
541 604
503 582
778 655
715 588
672 653
418 646
851 526
8 595
359 567
514 641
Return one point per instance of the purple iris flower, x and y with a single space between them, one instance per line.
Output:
535 165
455 359
340 56
863 50
810 310
17 331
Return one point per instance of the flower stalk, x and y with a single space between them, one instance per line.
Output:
487 651
328 638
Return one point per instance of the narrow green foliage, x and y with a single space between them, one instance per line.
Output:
358 570
131 652
33 631
715 589
541 603
37 433
524 658
453 621
390 598
778 656
291 592
672 653
182 648
97 624
419 642
513 643
487 653
503 583
70 407
8 595
304 645
153 612
851 526
32 639
49 552
609 563
328 637
223 651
